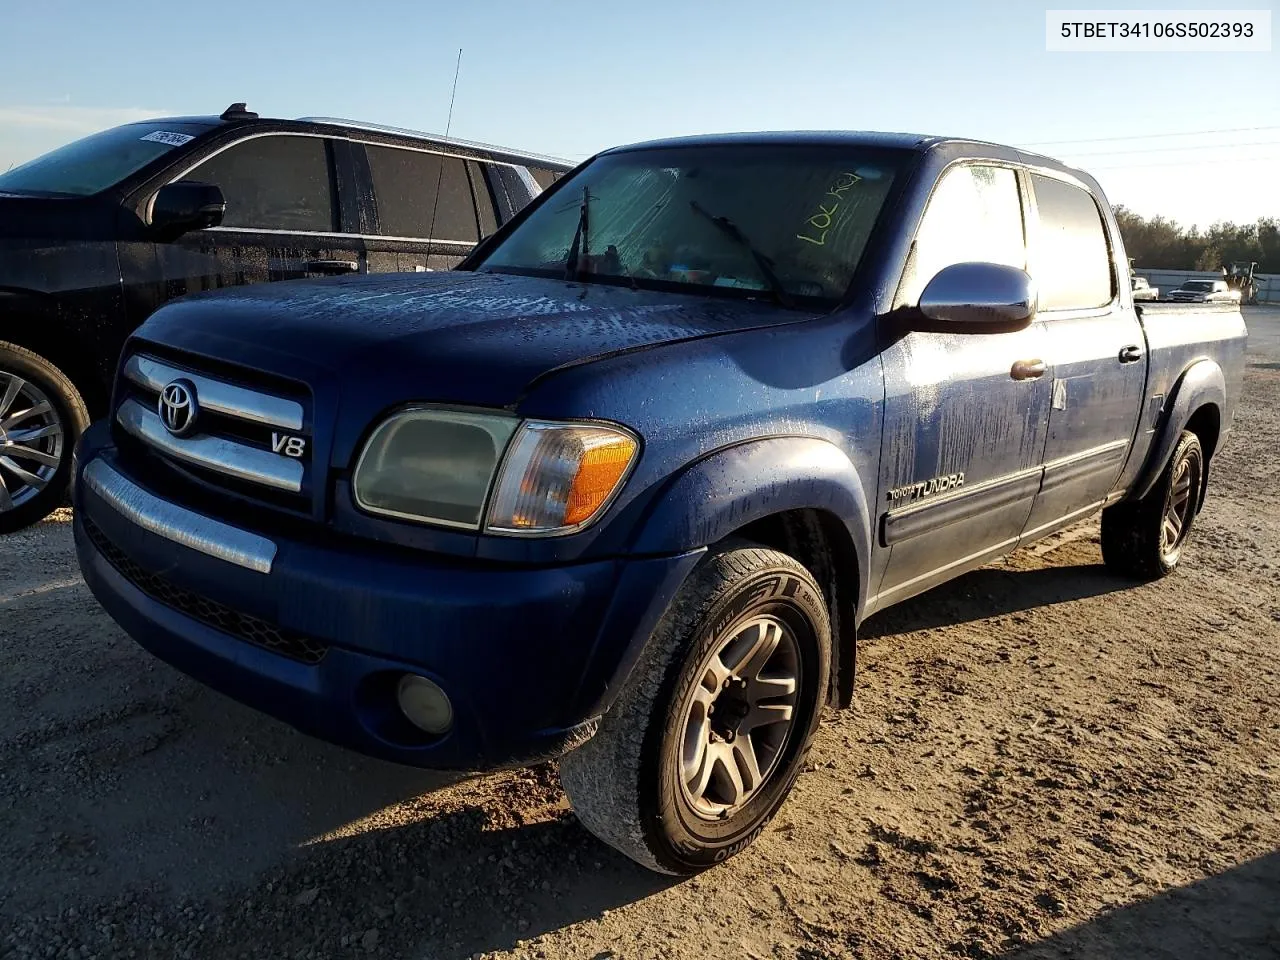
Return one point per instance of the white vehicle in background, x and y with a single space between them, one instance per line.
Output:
1205 291
1142 290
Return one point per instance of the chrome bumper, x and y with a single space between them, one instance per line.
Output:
175 523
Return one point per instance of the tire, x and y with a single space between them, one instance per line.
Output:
628 784
41 417
1144 539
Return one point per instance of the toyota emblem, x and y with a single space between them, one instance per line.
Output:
178 407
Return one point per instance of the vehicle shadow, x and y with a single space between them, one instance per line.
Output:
457 886
993 592
1231 916
127 782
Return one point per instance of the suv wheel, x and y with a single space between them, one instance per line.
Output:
1144 539
41 417
711 728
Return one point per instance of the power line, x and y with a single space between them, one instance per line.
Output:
1187 163
1148 136
1207 146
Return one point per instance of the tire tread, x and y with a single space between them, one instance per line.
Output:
603 776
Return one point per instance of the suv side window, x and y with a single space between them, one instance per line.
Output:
404 186
274 183
975 214
544 177
509 189
1073 260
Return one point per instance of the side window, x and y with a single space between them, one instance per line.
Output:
1073 262
544 177
484 200
274 183
975 214
509 187
404 184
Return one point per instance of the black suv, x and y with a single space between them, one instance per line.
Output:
96 235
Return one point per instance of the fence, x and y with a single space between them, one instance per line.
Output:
1166 280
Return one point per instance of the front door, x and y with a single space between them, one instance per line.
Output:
965 413
1097 348
282 220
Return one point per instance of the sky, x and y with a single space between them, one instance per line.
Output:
1191 136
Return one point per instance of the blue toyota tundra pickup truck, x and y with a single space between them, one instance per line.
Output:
622 486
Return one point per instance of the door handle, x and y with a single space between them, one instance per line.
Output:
1028 369
1130 354
332 266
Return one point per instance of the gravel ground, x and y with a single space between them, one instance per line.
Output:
1042 762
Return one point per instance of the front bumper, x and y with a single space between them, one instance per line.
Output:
319 634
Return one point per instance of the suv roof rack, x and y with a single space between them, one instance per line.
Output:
434 138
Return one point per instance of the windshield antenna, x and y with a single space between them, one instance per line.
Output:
448 124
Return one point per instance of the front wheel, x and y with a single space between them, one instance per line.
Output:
710 730
41 417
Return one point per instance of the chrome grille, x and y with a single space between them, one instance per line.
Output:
237 435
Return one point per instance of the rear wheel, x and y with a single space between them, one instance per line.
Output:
41 417
1144 539
709 733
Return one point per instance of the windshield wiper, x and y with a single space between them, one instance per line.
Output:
578 248
762 262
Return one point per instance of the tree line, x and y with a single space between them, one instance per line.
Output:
1161 243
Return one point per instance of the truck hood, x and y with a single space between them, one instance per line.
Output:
459 337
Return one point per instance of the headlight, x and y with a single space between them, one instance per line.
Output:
433 465
439 466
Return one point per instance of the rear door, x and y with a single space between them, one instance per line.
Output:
965 413
1096 346
428 208
283 219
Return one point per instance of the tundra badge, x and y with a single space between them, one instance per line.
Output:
925 488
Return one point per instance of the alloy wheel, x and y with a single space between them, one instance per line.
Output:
738 718
31 441
1177 513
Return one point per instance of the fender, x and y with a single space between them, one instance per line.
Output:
1201 384
32 319
734 486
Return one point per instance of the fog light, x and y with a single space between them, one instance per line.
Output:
424 704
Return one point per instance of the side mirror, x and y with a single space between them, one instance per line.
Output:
186 205
981 296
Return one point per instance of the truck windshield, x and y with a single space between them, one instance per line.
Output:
1197 285
787 223
100 160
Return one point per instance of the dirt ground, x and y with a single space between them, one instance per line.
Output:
1042 762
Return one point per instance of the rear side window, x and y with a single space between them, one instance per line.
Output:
1073 262
404 184
274 183
544 177
975 214
511 190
